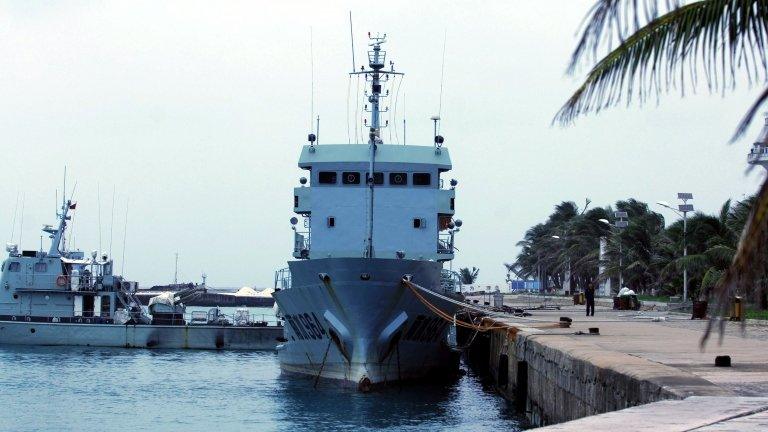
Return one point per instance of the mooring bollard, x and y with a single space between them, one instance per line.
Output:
699 310
723 361
737 311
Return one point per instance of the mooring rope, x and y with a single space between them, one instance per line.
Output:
470 306
440 313
472 326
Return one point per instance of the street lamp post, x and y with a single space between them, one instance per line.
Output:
682 210
622 221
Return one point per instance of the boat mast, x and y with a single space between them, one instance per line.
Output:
376 59
57 234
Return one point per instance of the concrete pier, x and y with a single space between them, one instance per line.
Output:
561 374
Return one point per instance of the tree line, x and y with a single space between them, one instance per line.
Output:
647 255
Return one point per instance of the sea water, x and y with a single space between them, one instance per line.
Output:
115 389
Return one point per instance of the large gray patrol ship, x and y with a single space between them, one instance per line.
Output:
375 216
62 297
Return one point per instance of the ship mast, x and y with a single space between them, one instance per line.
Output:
374 75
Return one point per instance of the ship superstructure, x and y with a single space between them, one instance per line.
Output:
63 285
373 215
758 154
63 297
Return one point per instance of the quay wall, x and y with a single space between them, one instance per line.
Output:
554 379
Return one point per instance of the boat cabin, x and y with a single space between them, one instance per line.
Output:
412 207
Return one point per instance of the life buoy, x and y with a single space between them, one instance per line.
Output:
61 280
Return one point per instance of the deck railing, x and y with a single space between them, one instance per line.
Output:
301 244
445 243
238 318
283 279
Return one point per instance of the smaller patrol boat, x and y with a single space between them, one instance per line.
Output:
63 297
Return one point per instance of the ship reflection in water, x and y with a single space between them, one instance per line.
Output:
77 388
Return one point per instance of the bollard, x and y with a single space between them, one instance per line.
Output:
699 310
737 309
723 361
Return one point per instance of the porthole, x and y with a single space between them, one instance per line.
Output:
398 179
31 330
15 296
351 178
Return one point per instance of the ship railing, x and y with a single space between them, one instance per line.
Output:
445 243
236 319
283 279
30 311
450 281
301 244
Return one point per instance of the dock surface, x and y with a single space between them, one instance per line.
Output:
696 413
638 358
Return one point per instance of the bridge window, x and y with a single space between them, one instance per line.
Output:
351 177
14 266
41 267
398 179
378 178
331 222
422 179
326 177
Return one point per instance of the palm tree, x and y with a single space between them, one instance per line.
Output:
467 276
642 48
567 243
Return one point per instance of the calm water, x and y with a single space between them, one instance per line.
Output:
106 389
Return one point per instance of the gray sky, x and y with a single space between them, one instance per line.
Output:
196 111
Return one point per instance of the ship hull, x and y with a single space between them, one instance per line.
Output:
20 332
352 319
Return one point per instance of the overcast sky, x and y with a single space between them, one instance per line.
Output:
195 113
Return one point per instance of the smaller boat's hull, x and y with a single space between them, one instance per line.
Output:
21 332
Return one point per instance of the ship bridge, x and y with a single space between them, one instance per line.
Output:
412 210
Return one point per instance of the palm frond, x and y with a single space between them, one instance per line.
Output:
747 268
707 36
746 120
611 21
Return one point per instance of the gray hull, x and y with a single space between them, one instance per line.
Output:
140 336
362 325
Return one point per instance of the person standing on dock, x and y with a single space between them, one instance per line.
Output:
589 293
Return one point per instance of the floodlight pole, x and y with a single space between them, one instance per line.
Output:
682 210
685 254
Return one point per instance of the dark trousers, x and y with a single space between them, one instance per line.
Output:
590 306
